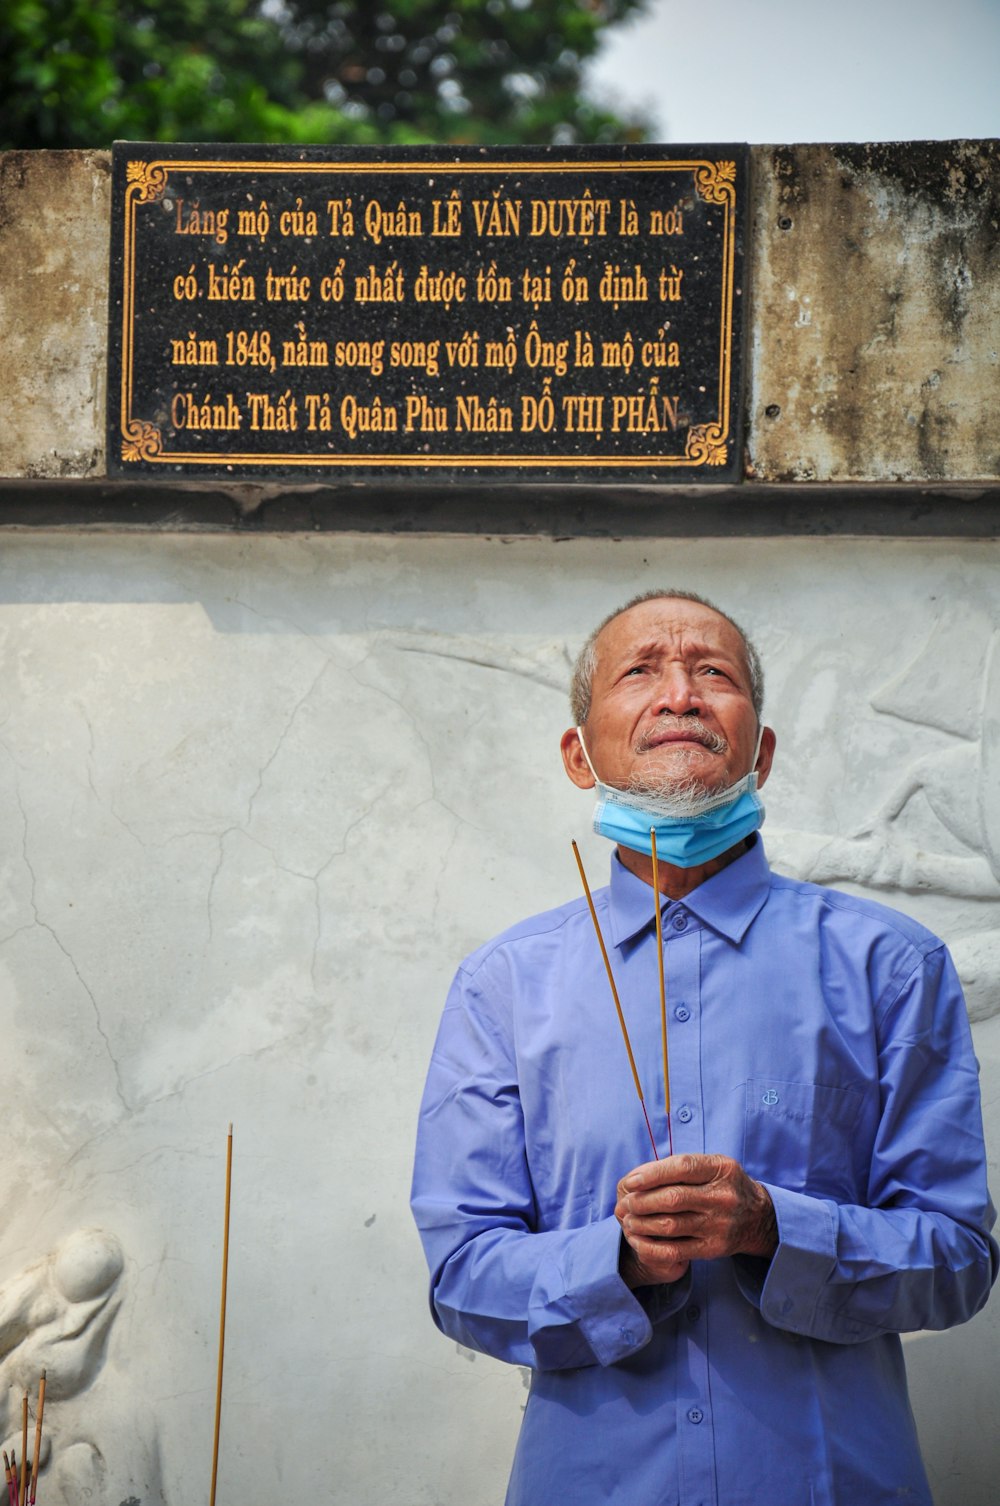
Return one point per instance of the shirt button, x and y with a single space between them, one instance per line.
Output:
696 1415
685 1114
693 1313
682 1013
679 921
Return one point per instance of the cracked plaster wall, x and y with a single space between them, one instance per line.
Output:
259 798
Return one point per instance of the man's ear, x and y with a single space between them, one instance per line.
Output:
574 760
766 755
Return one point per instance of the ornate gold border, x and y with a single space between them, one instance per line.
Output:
707 444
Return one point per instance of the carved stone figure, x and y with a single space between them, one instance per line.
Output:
56 1316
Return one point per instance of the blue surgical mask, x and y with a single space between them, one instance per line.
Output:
687 833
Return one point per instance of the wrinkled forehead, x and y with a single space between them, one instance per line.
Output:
674 623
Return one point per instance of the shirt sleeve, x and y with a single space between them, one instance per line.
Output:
918 1253
549 1298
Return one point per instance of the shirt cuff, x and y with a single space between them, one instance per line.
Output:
788 1290
611 1317
666 1299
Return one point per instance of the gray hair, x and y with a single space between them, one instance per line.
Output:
582 680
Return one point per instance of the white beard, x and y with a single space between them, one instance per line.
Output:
679 795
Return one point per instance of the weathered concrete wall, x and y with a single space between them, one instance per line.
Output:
55 210
875 295
876 328
258 797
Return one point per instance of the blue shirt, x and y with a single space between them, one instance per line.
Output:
819 1039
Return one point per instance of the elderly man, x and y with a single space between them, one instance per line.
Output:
718 1326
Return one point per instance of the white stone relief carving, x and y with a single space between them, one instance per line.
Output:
547 663
938 829
56 1316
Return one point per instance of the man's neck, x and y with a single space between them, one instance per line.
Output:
677 882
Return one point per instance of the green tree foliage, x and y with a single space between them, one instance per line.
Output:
459 70
82 73
79 73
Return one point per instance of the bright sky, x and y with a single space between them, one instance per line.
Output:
783 71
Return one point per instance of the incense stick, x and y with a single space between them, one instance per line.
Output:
38 1439
24 1449
222 1315
614 995
663 988
11 1479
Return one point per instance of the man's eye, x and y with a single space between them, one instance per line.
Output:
637 669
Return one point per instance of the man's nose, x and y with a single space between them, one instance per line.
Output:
676 694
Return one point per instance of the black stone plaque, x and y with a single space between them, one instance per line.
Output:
429 313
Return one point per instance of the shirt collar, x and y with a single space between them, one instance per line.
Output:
728 902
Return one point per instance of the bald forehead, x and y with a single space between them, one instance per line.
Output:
671 618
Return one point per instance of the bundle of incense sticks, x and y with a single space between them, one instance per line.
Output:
618 1006
22 1489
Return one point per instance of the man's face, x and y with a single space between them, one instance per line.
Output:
670 702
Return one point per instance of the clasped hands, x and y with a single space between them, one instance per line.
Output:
686 1208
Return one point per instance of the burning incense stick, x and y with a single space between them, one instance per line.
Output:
38 1439
614 995
663 988
222 1315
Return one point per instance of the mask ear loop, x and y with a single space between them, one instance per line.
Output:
756 751
583 745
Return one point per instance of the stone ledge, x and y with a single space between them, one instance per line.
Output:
757 510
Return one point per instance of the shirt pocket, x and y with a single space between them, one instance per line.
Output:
802 1135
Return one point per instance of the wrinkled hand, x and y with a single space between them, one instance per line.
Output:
686 1208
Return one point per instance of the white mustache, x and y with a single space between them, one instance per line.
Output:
689 726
